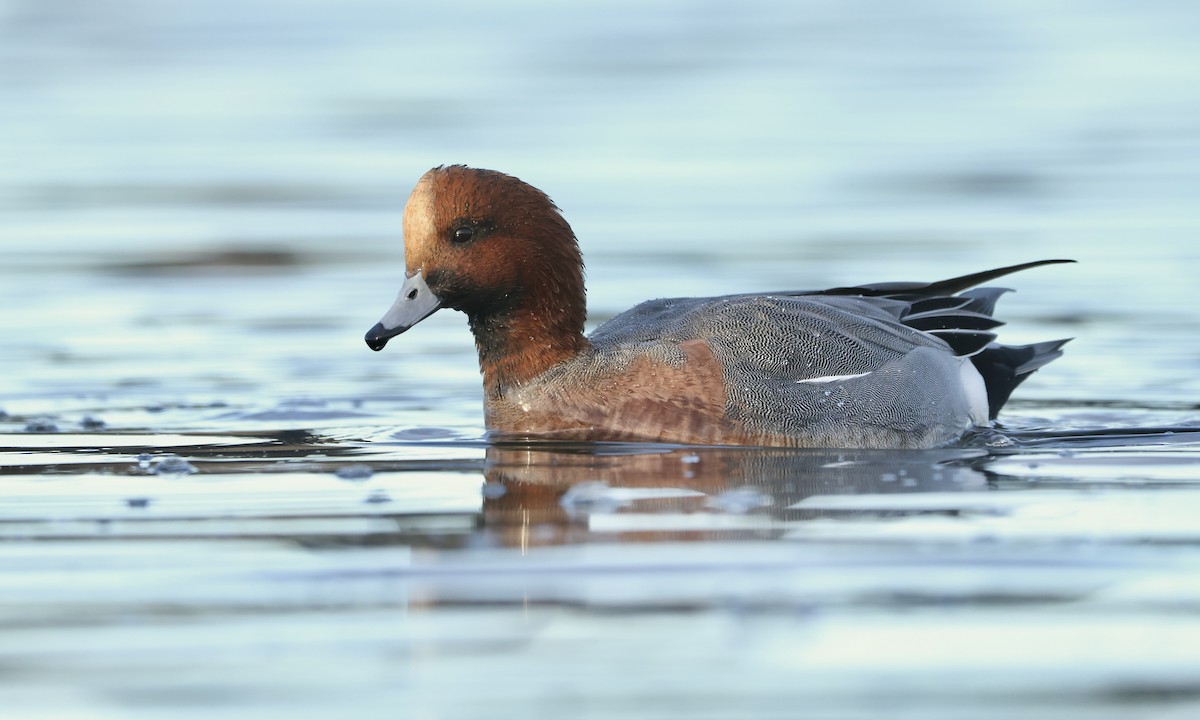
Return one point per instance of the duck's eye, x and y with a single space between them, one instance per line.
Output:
463 234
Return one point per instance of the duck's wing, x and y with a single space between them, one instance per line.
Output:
949 309
960 313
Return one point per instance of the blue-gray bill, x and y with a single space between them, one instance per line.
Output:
414 303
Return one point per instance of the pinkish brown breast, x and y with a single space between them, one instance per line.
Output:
675 396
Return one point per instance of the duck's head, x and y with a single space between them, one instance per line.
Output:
493 247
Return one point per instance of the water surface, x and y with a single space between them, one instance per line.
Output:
217 500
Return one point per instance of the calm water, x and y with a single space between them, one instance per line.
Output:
216 500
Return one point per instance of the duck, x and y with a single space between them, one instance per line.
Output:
893 365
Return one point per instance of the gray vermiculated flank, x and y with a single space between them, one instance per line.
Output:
909 394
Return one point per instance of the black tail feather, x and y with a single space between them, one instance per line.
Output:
1004 367
983 300
950 286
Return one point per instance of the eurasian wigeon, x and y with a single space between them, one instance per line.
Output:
889 365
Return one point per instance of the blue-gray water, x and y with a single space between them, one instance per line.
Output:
217 501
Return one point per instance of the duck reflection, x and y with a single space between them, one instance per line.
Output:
551 494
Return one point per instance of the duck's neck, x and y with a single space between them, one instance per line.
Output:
519 344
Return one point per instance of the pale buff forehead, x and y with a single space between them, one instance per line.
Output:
420 222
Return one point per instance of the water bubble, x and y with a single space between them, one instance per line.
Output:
41 425
690 459
588 498
92 423
355 472
423 433
739 501
303 402
167 465
172 465
494 490
377 497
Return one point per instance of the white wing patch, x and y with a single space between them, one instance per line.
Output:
833 378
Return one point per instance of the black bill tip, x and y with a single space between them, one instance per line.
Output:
377 337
